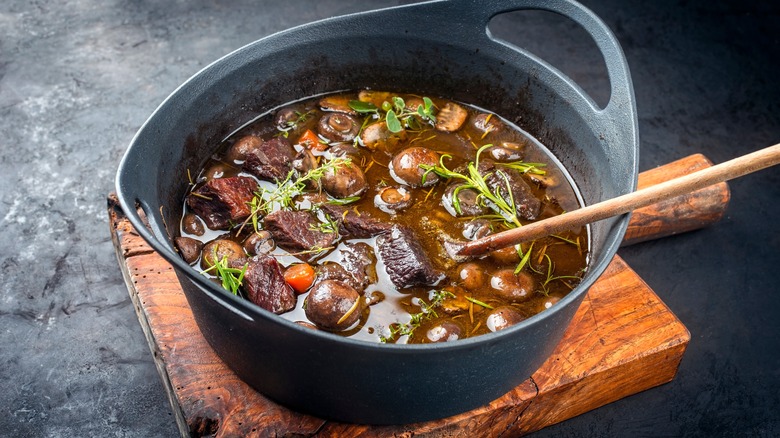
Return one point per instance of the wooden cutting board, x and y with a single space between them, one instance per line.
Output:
622 340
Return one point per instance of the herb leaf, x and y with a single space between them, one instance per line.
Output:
363 107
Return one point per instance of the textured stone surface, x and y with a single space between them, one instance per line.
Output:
78 78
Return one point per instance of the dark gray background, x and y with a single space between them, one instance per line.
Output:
78 78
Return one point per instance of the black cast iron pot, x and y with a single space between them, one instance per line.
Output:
437 48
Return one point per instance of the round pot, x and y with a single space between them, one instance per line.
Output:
403 49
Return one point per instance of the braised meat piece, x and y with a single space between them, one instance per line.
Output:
265 285
271 160
527 205
223 201
352 224
405 260
298 231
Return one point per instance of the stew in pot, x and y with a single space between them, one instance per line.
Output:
344 213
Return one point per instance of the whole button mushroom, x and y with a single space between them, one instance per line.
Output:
451 117
333 305
189 248
242 147
344 181
512 287
487 123
338 127
446 331
502 318
405 167
217 249
392 199
468 201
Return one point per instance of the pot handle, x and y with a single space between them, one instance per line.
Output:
474 15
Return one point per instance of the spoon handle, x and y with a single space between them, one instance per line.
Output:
725 171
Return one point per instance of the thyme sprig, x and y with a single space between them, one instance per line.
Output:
427 311
285 128
545 288
266 200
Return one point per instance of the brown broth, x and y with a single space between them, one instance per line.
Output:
568 252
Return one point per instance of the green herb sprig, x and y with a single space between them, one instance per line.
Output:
231 278
266 201
427 311
476 181
285 128
397 115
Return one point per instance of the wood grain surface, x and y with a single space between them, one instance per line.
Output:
622 340
687 212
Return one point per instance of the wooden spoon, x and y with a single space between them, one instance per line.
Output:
731 169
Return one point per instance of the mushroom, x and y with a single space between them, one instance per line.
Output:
242 147
487 123
333 305
405 167
503 153
338 104
477 228
344 181
451 117
217 249
472 277
192 224
512 287
286 118
468 201
392 199
502 318
259 242
446 331
377 135
338 127
303 162
189 248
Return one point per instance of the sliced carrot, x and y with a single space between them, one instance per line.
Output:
310 140
300 277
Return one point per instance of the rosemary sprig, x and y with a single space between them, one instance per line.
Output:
231 278
426 312
474 180
523 167
479 303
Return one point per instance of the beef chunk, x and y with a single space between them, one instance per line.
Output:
271 160
352 224
223 200
296 231
405 261
527 205
265 285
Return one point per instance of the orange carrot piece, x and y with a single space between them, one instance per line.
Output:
300 277
310 140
